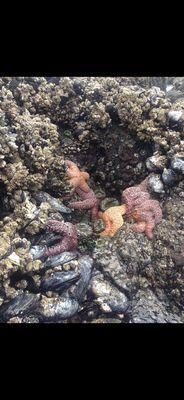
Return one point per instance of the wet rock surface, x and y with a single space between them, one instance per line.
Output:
146 308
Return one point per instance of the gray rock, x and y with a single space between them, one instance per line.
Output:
177 164
155 95
84 230
146 308
174 115
106 321
108 202
156 163
109 298
156 184
120 260
174 94
169 177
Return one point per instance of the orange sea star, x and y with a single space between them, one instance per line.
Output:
113 219
76 177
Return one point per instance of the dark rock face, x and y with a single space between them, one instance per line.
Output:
146 308
165 271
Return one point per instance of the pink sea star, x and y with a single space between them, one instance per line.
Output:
147 215
89 201
135 196
69 237
145 211
78 180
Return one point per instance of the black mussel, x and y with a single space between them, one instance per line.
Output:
20 305
59 281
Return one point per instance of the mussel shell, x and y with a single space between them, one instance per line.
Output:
54 309
37 251
60 259
85 268
20 305
60 281
56 204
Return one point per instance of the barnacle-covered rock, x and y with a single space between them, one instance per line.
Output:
156 163
84 230
117 129
177 163
123 258
147 308
107 296
156 184
165 272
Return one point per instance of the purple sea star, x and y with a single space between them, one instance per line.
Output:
145 211
69 237
147 215
89 201
135 196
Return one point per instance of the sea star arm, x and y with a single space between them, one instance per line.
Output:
94 210
108 224
63 245
149 229
85 175
83 185
150 209
88 200
144 185
62 227
56 226
74 182
82 204
139 227
123 209
70 164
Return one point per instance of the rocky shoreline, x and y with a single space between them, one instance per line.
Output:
118 130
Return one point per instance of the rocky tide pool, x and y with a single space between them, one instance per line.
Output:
91 200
